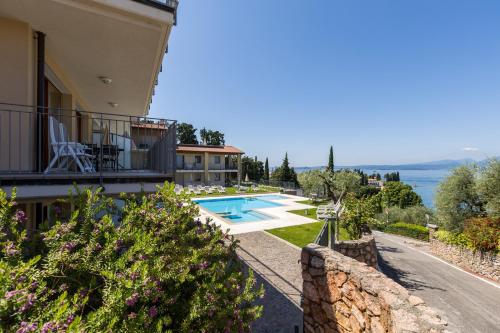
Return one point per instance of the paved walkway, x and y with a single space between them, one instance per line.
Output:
466 302
276 265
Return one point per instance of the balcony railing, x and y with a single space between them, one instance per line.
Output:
189 166
55 141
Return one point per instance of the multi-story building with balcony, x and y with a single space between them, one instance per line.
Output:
76 82
209 165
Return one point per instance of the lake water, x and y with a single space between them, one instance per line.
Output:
424 182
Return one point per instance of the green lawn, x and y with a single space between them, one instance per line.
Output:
317 203
303 234
232 191
299 235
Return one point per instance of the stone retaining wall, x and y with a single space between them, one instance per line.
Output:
363 249
483 263
341 294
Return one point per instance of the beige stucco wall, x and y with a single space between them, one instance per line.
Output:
16 86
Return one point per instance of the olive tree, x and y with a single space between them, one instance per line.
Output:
312 182
488 187
457 199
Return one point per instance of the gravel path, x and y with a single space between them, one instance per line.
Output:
276 265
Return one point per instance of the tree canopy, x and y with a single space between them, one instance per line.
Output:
284 172
252 167
212 138
186 134
457 200
399 194
488 187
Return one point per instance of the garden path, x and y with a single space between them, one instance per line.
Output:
276 265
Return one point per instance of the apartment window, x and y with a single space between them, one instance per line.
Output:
217 159
197 177
197 159
217 177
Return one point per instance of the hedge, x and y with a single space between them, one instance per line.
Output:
408 230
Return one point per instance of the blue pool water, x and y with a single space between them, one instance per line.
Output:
238 210
272 197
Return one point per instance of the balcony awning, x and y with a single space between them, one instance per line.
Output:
118 39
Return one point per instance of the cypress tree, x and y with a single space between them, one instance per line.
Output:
266 170
286 173
331 165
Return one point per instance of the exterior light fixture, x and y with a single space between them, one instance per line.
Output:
105 79
112 104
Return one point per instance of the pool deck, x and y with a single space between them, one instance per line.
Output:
280 216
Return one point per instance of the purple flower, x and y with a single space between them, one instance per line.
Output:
203 265
63 287
33 285
20 216
132 315
26 327
11 250
70 318
84 292
30 299
49 327
132 299
98 247
118 244
69 246
153 311
10 294
57 210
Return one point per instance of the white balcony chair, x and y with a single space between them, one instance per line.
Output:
66 152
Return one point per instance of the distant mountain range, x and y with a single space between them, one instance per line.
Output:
434 165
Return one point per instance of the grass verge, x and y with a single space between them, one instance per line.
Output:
303 234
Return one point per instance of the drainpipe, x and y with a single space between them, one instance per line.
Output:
40 97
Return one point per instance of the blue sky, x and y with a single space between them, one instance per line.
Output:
381 81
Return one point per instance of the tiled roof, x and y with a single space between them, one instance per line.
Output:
208 149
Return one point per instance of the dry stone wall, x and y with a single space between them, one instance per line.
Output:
341 294
363 249
483 263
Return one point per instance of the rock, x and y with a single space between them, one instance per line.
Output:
318 314
316 271
311 292
304 257
329 310
355 328
317 262
340 279
356 313
376 326
306 276
414 300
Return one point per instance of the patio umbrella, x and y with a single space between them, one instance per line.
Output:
247 179
106 140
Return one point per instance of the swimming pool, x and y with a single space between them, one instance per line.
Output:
238 210
272 197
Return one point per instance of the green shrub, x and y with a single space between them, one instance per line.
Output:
453 238
483 233
412 215
408 230
155 268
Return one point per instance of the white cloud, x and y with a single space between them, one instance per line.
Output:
470 148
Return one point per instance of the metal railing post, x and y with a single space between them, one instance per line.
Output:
100 153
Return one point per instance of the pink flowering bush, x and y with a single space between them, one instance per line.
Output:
147 267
